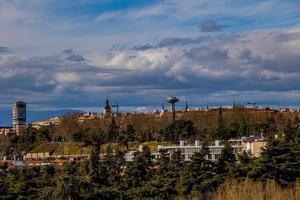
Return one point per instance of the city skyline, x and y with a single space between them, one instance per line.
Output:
72 54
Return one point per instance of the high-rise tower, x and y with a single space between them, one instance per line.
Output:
19 116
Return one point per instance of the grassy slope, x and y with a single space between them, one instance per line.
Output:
61 148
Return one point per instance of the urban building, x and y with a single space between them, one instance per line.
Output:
5 130
187 150
107 108
254 144
87 116
41 123
56 153
19 117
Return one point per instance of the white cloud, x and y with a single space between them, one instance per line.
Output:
258 62
67 77
107 16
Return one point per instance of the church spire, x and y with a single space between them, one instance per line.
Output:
107 109
107 106
186 105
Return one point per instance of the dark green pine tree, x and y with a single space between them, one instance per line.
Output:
279 160
68 184
199 176
23 183
226 161
165 181
138 173
113 131
290 131
242 167
130 132
46 182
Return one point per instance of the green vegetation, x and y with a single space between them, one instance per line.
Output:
71 148
45 147
110 177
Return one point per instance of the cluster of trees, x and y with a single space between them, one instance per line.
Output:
110 177
144 128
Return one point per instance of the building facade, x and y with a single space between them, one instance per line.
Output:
5 130
19 117
41 123
252 145
187 150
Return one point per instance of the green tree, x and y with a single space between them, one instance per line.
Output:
242 167
113 130
68 184
279 160
199 176
226 161
180 129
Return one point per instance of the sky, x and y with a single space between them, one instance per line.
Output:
72 54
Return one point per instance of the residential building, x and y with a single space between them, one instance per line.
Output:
215 149
5 130
187 150
48 122
254 144
87 116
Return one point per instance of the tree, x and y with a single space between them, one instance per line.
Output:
279 160
290 131
46 182
68 127
226 161
43 134
67 183
113 131
178 130
242 167
139 170
130 132
199 176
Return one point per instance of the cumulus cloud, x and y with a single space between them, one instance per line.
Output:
212 26
249 64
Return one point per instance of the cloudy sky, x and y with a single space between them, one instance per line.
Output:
58 54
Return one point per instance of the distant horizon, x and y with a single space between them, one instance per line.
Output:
34 115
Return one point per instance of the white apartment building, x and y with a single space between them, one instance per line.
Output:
187 150
215 149
252 145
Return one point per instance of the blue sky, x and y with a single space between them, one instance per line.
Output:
61 54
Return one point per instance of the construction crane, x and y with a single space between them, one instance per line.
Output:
252 103
117 107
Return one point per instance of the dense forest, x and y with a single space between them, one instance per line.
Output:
108 176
